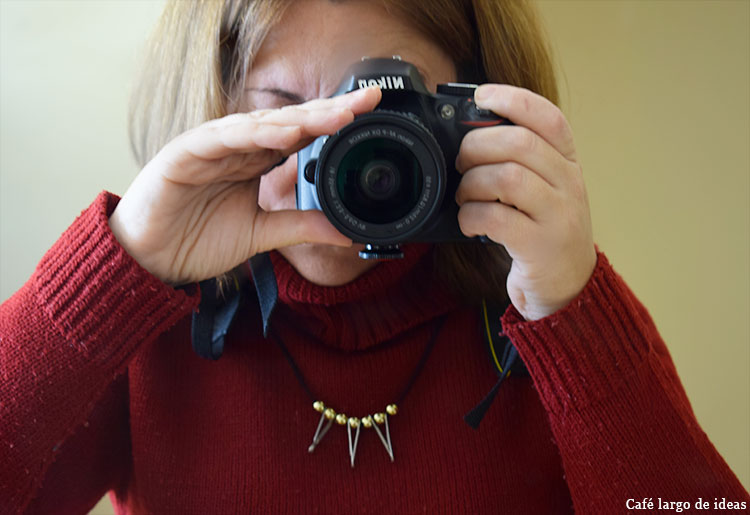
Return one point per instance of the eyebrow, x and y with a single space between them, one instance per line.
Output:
286 95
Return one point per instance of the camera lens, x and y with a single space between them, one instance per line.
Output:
379 180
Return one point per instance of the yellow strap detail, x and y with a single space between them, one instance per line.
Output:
489 336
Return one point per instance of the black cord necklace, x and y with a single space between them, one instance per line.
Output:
375 421
212 322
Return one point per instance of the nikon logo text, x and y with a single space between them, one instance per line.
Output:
386 82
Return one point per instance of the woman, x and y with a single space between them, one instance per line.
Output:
601 419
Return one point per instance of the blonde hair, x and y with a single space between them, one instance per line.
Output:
197 59
201 51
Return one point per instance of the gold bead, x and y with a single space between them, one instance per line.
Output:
367 422
341 419
319 406
329 414
391 409
379 418
354 422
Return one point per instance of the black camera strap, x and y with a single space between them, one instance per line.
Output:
214 317
212 320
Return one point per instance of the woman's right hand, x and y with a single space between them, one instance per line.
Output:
192 213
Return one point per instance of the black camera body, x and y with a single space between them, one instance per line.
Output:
389 177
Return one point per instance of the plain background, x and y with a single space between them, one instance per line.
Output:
657 94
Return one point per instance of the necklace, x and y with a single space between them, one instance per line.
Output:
377 421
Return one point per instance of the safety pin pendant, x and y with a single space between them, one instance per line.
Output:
318 433
353 444
387 439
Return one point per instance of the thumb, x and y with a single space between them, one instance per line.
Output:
275 229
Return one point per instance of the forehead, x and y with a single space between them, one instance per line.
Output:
309 50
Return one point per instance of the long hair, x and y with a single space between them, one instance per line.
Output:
201 51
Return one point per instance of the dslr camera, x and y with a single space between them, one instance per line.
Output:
389 177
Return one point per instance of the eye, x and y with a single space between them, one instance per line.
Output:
272 98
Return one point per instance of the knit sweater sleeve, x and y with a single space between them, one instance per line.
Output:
66 338
619 415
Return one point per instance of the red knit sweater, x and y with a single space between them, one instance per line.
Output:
102 391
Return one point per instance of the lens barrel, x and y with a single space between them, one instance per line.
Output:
381 178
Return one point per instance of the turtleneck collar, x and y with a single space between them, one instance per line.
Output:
388 299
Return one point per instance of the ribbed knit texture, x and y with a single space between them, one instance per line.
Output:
101 390
65 336
604 374
336 316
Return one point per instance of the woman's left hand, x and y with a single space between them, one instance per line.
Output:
522 187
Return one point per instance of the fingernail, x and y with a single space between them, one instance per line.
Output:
483 92
364 91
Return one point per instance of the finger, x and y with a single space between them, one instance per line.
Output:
356 102
241 150
245 145
277 229
513 143
502 224
510 183
247 134
202 155
313 122
526 108
233 168
359 101
274 129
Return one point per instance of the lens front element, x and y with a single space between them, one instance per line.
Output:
379 180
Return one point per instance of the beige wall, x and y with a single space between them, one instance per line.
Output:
657 93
